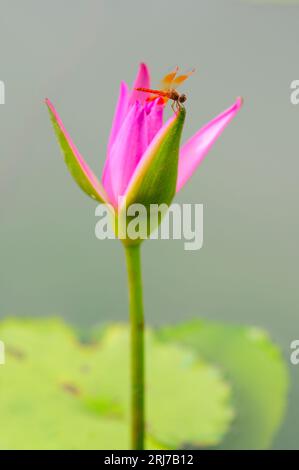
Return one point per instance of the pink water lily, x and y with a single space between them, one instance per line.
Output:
145 165
137 130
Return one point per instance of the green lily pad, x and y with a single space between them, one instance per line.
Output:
187 401
255 368
57 393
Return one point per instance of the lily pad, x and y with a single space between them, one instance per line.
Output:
57 393
255 368
187 400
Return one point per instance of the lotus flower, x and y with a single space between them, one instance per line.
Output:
144 162
144 165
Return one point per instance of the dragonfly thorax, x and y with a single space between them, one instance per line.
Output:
175 96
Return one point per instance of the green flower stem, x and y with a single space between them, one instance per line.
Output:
137 345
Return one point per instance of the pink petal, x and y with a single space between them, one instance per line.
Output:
120 112
142 81
76 164
154 110
119 117
128 148
195 149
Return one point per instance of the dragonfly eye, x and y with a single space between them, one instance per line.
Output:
182 98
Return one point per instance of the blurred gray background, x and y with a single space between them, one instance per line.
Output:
76 53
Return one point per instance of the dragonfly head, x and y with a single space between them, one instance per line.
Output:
182 98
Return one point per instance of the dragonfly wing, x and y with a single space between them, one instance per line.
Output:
171 80
167 81
181 78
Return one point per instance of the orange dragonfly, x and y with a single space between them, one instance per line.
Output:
168 89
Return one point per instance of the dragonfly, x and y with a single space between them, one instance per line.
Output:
168 90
